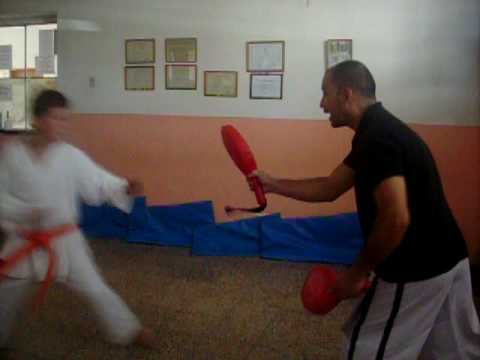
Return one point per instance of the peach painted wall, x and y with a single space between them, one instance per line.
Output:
182 159
457 152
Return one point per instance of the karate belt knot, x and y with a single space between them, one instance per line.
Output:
38 239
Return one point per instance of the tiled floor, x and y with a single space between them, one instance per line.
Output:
200 308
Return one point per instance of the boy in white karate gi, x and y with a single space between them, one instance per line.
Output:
42 180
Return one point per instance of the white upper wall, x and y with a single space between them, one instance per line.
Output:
424 55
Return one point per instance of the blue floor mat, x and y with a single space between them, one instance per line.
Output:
193 214
168 225
236 238
332 239
104 222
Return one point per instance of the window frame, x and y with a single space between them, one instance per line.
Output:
25 22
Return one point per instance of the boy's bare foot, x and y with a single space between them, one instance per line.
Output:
146 339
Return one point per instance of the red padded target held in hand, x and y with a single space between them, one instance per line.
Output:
316 295
242 156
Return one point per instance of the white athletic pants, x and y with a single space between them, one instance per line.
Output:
434 319
116 319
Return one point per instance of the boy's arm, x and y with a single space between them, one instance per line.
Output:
12 209
96 185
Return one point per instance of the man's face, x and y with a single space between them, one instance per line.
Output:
333 102
53 125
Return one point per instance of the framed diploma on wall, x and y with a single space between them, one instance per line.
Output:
266 86
338 50
183 50
140 78
180 77
139 51
220 83
265 56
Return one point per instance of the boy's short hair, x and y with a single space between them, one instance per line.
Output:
48 99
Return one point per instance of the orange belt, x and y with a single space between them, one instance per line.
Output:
38 239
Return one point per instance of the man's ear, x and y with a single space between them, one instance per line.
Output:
346 93
37 121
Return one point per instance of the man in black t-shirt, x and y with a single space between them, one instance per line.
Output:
420 301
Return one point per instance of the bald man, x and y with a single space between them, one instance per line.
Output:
420 301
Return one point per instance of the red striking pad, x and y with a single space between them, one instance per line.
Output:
242 156
316 296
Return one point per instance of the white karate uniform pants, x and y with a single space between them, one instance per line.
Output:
433 319
116 319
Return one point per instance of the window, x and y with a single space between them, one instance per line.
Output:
28 64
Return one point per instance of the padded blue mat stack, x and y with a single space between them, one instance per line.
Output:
331 239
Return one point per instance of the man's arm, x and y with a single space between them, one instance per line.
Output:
319 189
391 223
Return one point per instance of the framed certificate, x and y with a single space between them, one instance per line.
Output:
265 56
220 83
266 86
182 50
139 51
338 50
139 78
181 77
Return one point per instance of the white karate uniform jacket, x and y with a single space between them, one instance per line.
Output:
55 183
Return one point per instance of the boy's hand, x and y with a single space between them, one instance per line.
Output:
134 187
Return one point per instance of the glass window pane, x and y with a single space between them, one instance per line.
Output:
41 62
12 81
41 57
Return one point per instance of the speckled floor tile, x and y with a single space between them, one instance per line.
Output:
199 307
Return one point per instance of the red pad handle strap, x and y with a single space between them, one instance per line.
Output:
259 193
